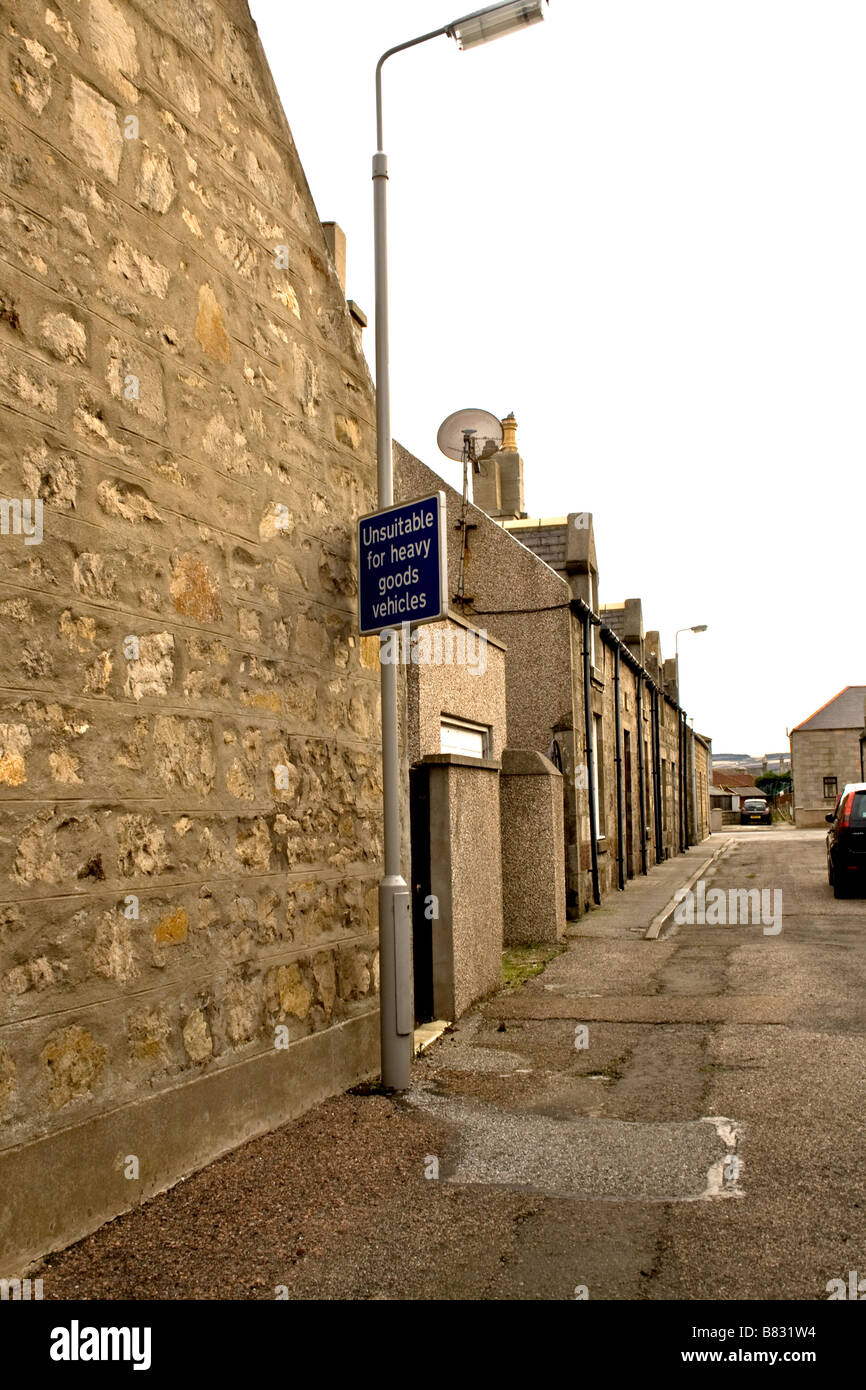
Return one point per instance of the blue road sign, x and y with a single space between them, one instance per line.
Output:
403 564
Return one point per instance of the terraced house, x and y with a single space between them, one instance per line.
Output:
579 709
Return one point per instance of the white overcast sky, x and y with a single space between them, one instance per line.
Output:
641 226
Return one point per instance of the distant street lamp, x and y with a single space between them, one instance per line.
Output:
395 989
701 627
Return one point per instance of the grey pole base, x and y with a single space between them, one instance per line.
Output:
395 982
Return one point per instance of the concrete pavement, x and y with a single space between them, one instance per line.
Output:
648 1119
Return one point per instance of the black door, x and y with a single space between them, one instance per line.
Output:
422 915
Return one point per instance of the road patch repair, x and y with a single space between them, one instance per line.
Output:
646 1008
587 1158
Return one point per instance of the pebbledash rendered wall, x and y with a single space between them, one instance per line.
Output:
189 758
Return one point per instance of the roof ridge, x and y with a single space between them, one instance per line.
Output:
826 705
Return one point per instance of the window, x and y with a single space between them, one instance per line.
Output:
829 788
597 797
467 740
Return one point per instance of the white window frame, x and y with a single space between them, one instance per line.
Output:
447 721
599 827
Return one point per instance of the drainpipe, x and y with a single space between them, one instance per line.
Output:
620 847
587 616
640 775
695 825
687 778
590 761
680 781
657 779
684 839
653 777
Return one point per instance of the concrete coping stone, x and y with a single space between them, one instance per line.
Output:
454 617
460 760
527 762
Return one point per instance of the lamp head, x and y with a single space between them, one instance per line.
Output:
495 22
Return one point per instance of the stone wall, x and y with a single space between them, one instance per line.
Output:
669 720
703 782
189 760
604 704
816 754
604 708
567 544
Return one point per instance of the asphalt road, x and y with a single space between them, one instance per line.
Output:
665 1119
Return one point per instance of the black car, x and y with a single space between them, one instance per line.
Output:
846 840
755 810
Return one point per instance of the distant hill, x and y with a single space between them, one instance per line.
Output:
750 762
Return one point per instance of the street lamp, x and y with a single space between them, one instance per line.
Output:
492 23
701 627
395 922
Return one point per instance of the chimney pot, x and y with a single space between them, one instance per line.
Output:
509 433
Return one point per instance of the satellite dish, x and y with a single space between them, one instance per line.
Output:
469 436
474 434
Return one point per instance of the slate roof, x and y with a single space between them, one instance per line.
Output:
744 793
844 711
735 781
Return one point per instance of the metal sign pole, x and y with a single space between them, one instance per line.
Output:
395 920
395 917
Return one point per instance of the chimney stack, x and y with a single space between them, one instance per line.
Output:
498 484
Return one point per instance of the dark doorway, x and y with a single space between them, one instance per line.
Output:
422 923
629 837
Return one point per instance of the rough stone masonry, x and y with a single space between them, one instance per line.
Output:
189 729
